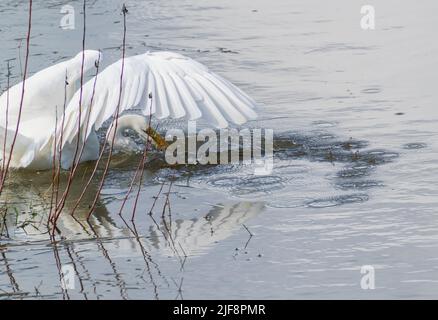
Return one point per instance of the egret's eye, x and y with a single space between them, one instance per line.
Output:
126 132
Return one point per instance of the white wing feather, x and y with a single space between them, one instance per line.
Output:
180 87
43 100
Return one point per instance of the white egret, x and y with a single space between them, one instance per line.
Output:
163 84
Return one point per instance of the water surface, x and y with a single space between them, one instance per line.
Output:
354 115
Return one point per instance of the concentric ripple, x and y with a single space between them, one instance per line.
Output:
337 200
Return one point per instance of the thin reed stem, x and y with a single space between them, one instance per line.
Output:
139 167
75 165
53 216
6 122
116 116
60 206
140 182
53 166
26 62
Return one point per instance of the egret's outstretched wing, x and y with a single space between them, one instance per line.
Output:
44 96
44 91
179 87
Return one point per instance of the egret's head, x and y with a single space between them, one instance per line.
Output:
134 122
137 123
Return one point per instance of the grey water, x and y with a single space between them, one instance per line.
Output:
354 114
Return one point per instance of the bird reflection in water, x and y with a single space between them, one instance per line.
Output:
107 239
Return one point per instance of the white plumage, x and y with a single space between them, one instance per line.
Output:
163 84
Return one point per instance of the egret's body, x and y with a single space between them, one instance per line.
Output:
162 84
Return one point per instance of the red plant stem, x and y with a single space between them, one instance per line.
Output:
167 203
61 138
54 216
29 28
81 151
140 166
6 124
75 165
140 182
81 89
146 256
85 137
19 58
59 266
57 169
124 11
60 206
131 185
89 180
53 166
156 198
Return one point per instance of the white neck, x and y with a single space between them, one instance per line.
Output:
134 122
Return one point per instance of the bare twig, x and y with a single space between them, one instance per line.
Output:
29 28
246 228
60 206
156 198
143 161
250 236
139 167
53 184
116 116
6 123
73 172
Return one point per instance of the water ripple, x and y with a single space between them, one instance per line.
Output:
337 200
